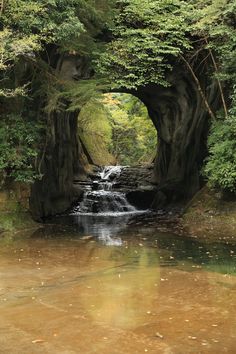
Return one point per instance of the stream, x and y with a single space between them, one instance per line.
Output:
93 282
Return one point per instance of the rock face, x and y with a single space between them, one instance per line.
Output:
182 122
63 158
61 162
138 184
131 178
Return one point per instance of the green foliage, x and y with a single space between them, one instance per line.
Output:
53 21
95 132
32 29
34 35
98 124
75 94
220 168
18 148
118 126
30 26
134 137
214 22
148 35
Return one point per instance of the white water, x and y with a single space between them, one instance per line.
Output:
103 200
109 170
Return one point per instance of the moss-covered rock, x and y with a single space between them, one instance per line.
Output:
95 134
12 221
14 197
96 150
14 208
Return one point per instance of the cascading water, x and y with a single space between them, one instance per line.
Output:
109 171
102 199
104 211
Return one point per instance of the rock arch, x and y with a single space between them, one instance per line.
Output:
180 117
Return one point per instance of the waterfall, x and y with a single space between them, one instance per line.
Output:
110 170
101 199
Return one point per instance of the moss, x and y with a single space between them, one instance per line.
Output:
210 216
96 148
207 202
95 133
11 221
14 197
14 205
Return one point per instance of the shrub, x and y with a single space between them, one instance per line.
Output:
220 168
18 149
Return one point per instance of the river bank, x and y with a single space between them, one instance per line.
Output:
211 216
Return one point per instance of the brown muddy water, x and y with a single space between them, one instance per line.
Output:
100 286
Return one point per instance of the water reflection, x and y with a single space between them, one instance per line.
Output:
105 228
157 292
178 250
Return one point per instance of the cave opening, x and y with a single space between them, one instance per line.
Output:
115 129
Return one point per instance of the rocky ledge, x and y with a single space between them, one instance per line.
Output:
136 182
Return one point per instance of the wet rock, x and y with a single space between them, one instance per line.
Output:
141 199
131 178
95 185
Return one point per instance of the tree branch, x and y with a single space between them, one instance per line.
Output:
218 80
199 88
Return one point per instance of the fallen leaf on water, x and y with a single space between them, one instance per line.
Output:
86 237
36 341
